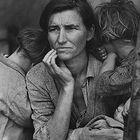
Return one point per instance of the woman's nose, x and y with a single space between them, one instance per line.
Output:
62 37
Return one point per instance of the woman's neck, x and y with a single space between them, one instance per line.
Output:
78 65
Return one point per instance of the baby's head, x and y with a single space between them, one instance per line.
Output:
118 19
118 114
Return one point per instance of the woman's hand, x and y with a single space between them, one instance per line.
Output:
99 124
61 72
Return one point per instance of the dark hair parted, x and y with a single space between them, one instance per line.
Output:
118 19
33 43
81 6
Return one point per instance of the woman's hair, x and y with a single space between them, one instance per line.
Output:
81 6
33 43
118 19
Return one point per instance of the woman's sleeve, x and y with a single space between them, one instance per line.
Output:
42 106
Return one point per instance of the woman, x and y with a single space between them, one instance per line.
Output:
61 89
15 110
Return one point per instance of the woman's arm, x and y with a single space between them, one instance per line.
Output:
50 121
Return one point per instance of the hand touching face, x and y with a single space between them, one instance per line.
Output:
61 72
123 47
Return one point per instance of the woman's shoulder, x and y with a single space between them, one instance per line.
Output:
94 64
39 79
39 72
95 60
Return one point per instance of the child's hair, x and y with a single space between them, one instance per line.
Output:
118 19
33 43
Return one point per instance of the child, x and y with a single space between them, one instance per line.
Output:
15 110
118 22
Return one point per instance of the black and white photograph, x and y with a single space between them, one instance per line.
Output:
69 69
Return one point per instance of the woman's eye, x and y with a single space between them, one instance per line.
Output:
70 28
53 28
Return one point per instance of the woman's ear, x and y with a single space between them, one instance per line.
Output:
91 33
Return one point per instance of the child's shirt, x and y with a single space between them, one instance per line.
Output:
119 80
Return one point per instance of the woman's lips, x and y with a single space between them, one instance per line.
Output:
63 49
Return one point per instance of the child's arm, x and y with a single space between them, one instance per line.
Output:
117 81
109 63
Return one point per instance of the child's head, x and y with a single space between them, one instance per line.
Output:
118 114
33 43
118 19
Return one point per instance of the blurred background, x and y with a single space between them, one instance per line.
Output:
26 12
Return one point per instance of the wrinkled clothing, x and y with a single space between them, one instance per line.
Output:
15 110
43 95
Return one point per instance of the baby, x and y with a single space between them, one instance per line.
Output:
122 111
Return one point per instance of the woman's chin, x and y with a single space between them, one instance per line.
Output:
64 57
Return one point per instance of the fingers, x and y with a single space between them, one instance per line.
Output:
59 71
100 117
96 124
48 56
49 60
102 53
99 124
53 65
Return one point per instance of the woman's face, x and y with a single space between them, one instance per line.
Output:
67 34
